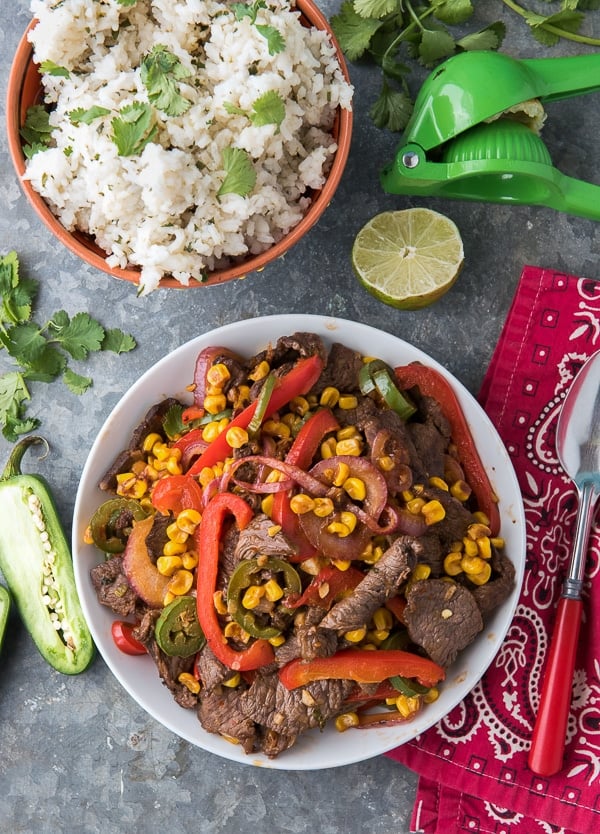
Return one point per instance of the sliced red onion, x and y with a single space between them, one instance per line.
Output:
204 361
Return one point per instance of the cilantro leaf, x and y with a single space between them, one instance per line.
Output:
172 421
393 108
45 366
274 38
435 45
87 116
16 293
374 8
268 109
13 396
242 10
117 341
353 32
36 130
240 175
489 38
160 71
76 383
133 128
452 12
126 2
51 68
79 336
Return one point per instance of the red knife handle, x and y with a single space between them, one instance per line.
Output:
548 743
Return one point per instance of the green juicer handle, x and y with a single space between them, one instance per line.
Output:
576 197
558 78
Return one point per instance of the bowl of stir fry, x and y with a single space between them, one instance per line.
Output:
307 551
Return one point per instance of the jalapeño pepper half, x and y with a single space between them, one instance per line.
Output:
177 630
256 574
4 609
36 562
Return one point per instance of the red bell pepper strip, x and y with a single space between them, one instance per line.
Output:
207 536
432 384
397 606
362 667
331 582
176 493
298 381
301 453
124 640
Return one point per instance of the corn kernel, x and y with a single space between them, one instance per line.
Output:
150 440
421 572
480 516
349 519
168 598
139 467
190 682
461 491
260 372
452 566
341 564
374 556
236 437
215 403
266 504
234 631
253 596
233 681
431 695
172 548
188 520
278 640
329 397
328 448
160 451
218 374
407 706
205 476
312 566
347 401
189 560
323 507
222 424
415 505
470 547
433 512
337 528
484 547
340 475
276 428
176 534
482 576
440 483
472 564
273 590
347 433
210 431
353 446
356 488
219 602
355 635
301 503
173 466
273 530
498 542
299 405
292 421
181 582
383 619
477 530
275 476
346 720
87 536
385 463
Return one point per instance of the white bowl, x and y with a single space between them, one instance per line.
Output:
314 750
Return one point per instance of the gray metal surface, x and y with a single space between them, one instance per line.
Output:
77 754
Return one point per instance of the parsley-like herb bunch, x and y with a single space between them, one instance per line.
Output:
393 33
42 353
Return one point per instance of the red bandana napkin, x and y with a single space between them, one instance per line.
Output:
473 764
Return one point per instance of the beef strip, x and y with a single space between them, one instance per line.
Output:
307 642
112 587
380 583
210 670
219 712
341 371
152 422
495 591
431 447
257 539
442 617
272 743
288 349
270 704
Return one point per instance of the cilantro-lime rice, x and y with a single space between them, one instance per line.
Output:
186 134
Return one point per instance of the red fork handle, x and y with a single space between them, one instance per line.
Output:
548 743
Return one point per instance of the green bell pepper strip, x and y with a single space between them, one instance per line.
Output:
362 667
177 630
207 538
4 611
432 384
262 403
36 562
376 376
247 573
298 381
103 528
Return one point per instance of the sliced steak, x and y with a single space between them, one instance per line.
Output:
287 712
494 592
219 712
211 671
258 538
442 617
380 583
112 587
341 371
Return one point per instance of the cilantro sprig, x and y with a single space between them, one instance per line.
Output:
240 174
274 38
268 109
394 33
42 353
160 71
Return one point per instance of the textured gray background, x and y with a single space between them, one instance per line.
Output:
77 754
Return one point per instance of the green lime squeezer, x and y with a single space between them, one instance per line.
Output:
473 134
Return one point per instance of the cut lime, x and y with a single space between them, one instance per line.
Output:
409 258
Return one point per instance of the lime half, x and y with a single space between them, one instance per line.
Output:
409 258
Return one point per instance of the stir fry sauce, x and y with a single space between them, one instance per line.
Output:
312 538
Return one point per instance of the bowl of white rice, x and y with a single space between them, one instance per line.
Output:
179 143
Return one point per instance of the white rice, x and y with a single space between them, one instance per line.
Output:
159 209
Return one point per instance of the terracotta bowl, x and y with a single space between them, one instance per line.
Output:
25 89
